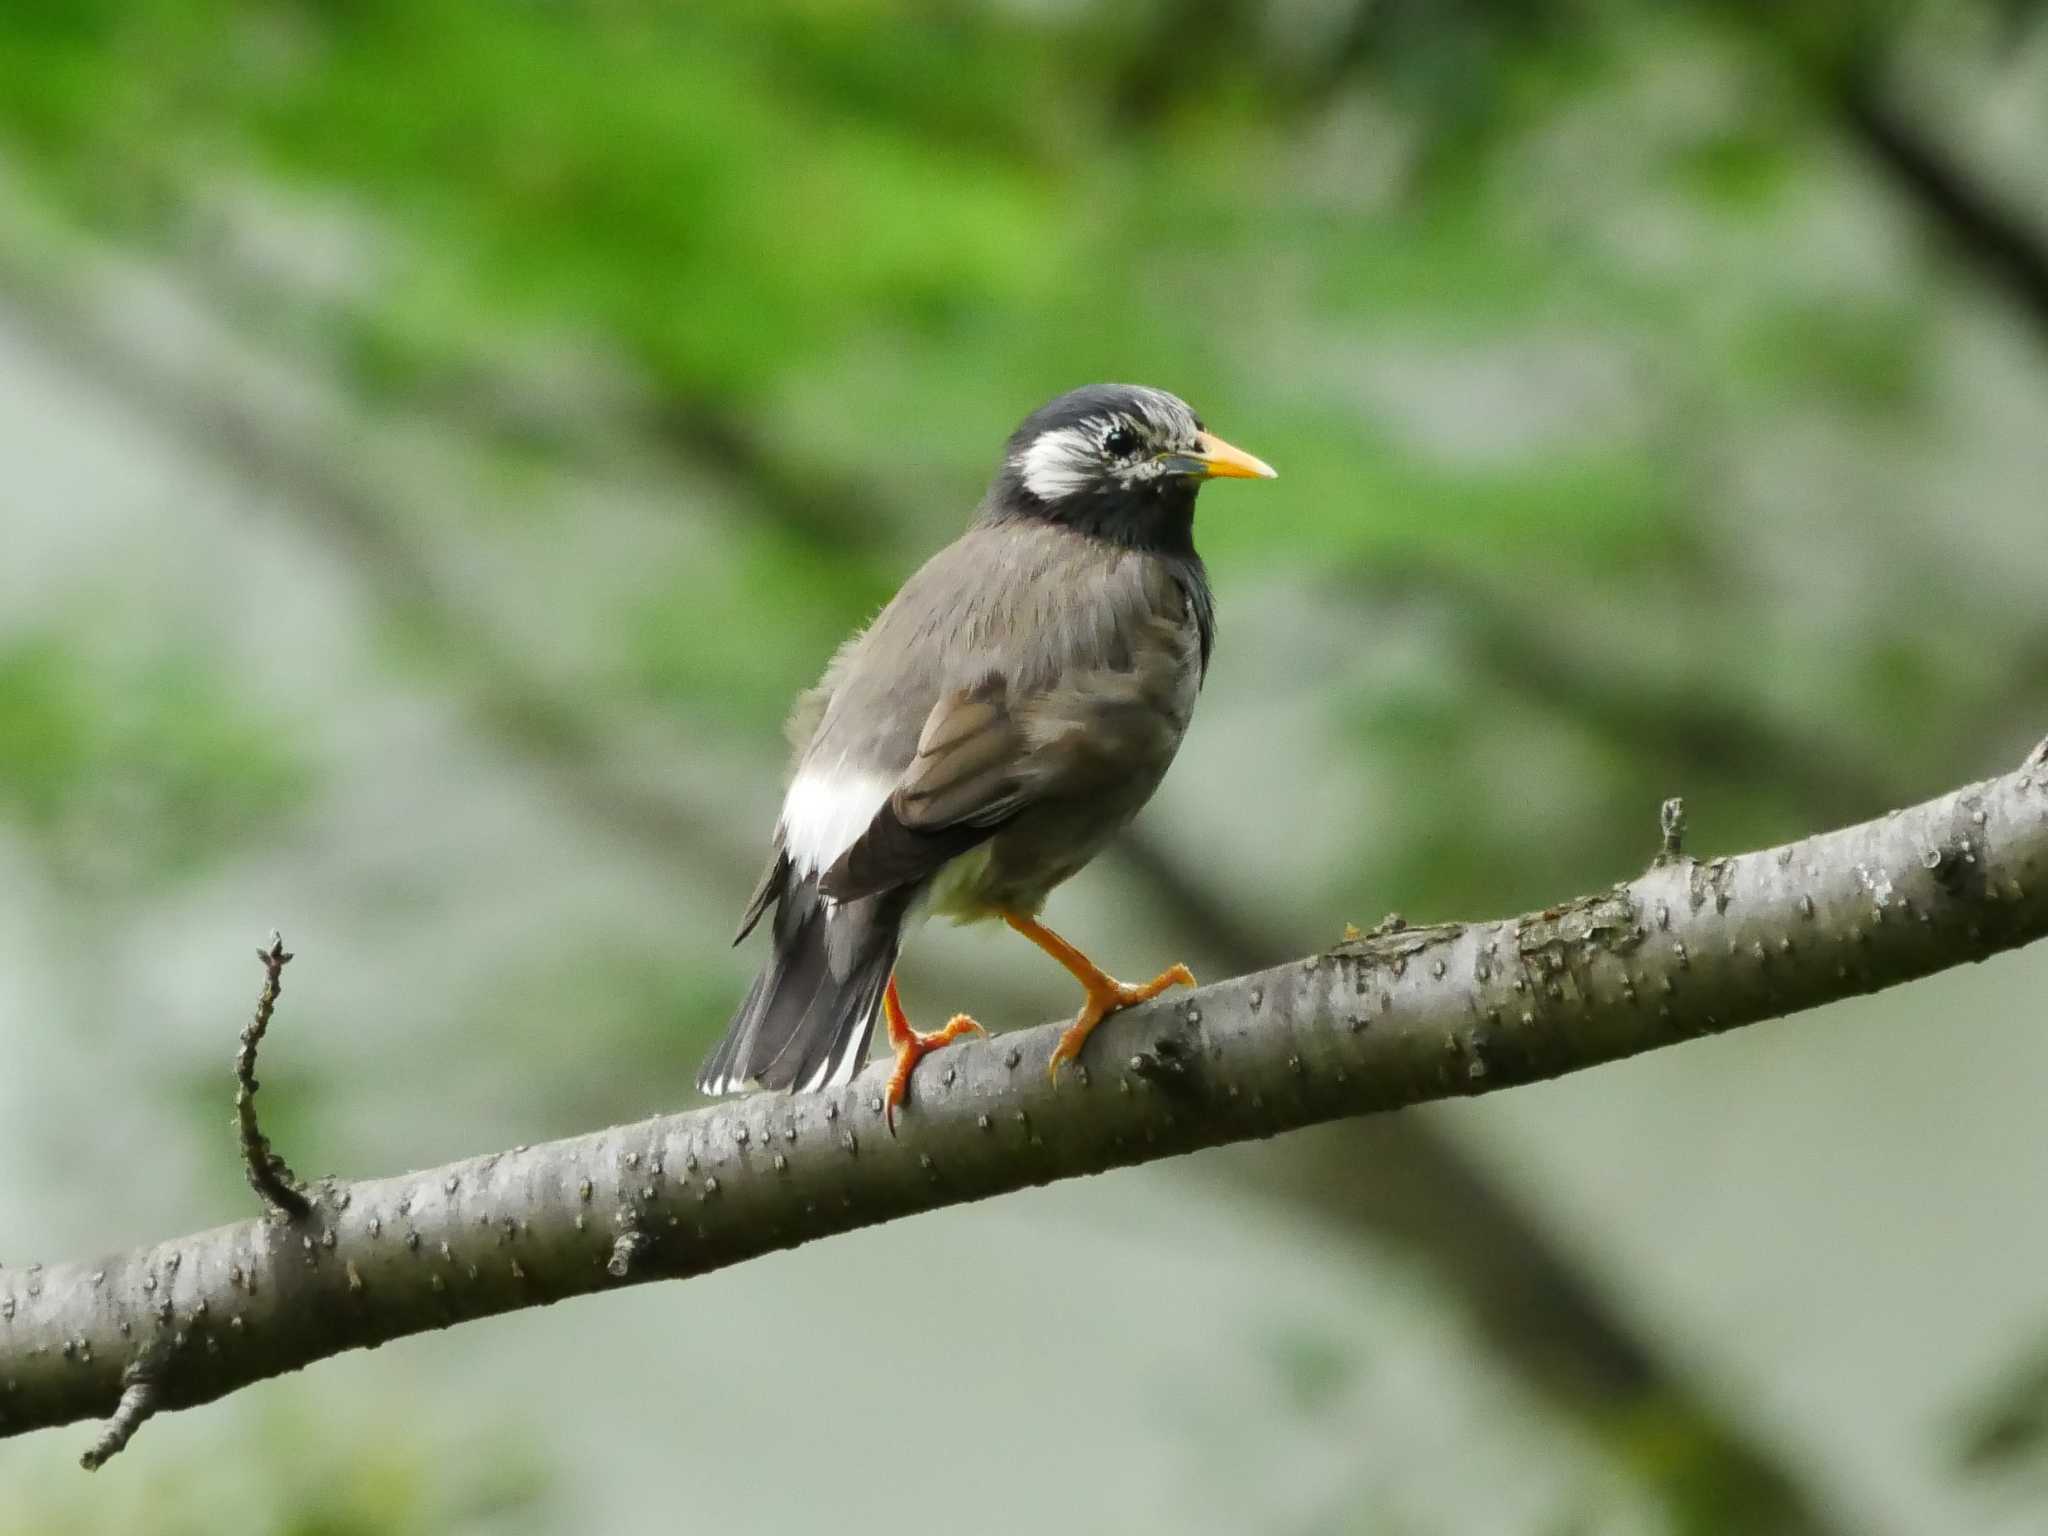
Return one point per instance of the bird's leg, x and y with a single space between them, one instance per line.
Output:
1105 993
910 1046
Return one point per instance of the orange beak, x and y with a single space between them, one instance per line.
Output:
1214 459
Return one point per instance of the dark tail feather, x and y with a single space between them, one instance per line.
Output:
806 1020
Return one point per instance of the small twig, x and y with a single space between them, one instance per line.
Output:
138 1402
272 1180
1671 822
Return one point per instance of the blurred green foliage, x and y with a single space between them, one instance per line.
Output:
298 1478
817 224
2004 1433
730 196
137 768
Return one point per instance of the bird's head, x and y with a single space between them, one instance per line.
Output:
1117 460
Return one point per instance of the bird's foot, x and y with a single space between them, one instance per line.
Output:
912 1047
1105 996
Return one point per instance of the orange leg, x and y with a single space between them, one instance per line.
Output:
910 1047
1105 993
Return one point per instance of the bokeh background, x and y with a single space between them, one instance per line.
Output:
438 439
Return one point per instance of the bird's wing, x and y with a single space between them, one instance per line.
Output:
802 725
767 890
970 762
989 753
969 775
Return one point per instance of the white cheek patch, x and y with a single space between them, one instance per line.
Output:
1066 460
1058 463
825 812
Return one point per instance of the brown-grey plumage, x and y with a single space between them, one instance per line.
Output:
1028 688
1004 716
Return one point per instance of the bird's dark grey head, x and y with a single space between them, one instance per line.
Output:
1117 460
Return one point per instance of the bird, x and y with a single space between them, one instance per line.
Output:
985 736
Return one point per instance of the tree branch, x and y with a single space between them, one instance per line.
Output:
1687 948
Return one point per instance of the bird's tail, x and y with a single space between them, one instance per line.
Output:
805 1023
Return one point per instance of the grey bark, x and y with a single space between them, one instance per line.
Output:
1384 1020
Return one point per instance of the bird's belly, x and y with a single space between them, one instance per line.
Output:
956 892
1019 867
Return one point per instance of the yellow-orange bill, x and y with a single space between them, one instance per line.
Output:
1220 461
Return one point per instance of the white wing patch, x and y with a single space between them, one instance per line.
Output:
825 812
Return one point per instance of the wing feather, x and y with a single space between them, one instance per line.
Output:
988 753
964 783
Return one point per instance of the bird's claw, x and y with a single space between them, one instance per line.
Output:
1102 1002
913 1048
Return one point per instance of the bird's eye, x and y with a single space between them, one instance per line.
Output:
1122 441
